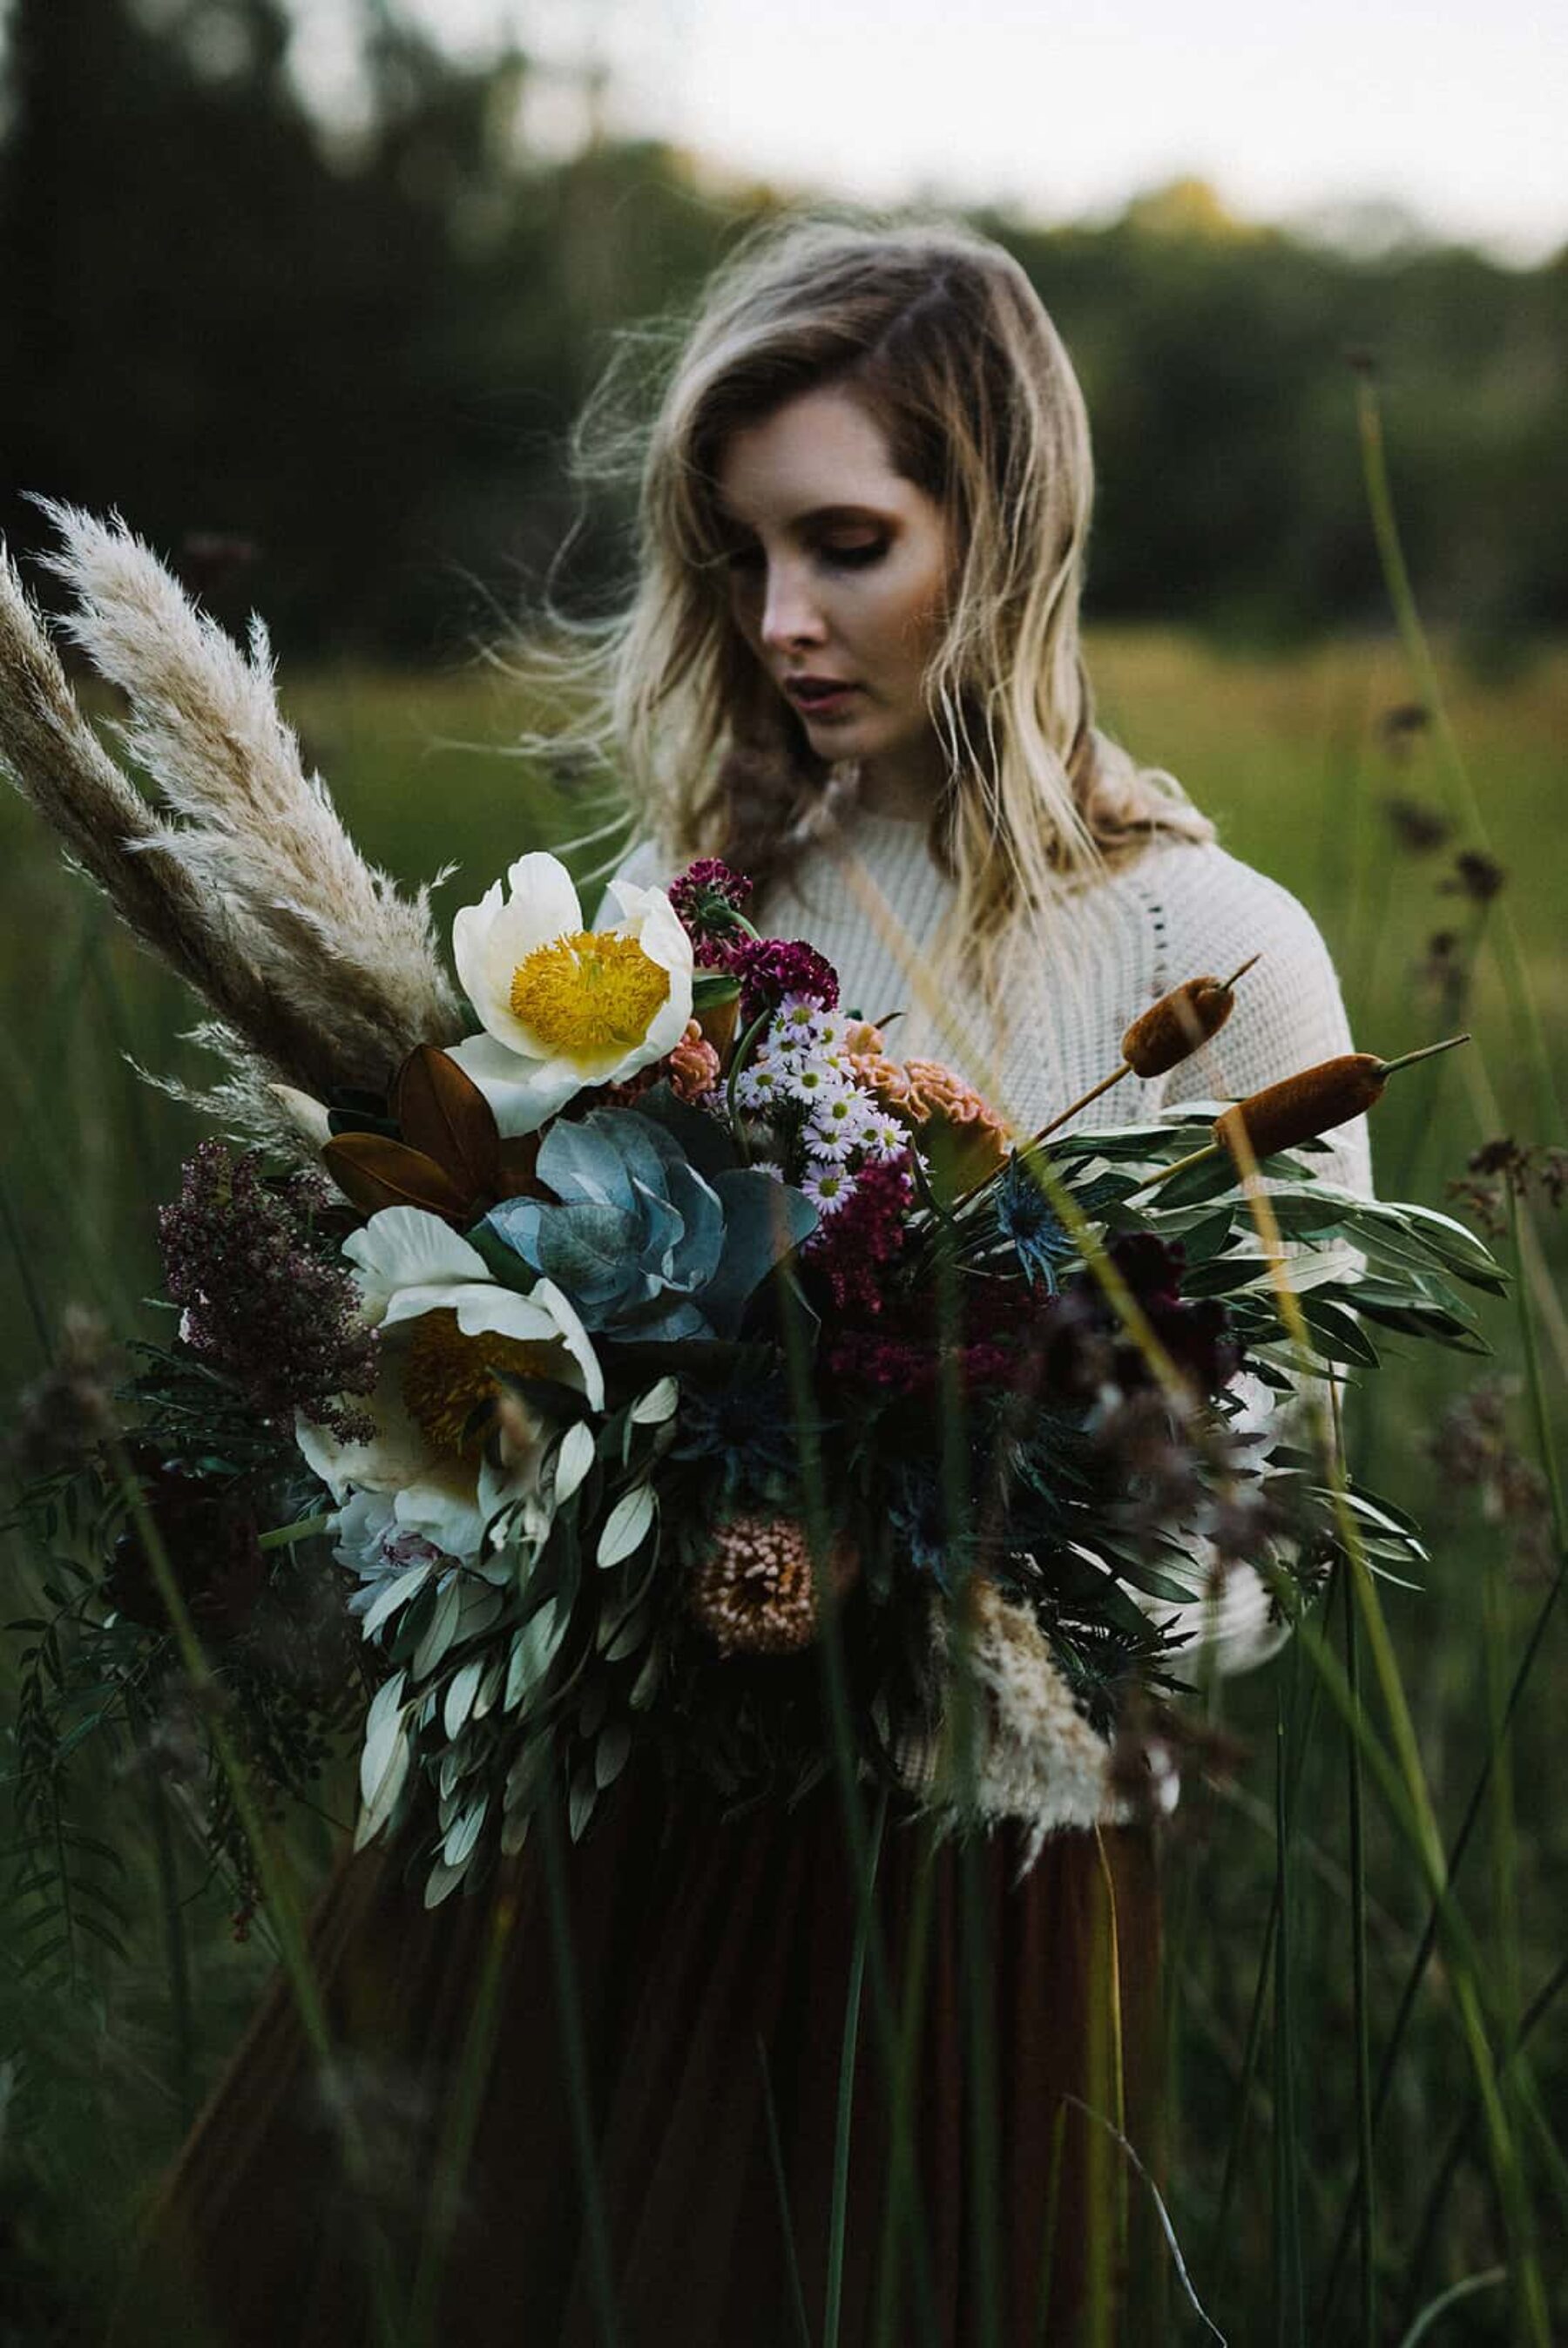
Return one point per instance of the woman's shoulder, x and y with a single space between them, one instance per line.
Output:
1204 897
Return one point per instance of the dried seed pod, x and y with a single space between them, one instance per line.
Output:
1301 1106
1172 1029
753 1591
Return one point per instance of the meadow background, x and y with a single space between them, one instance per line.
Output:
330 377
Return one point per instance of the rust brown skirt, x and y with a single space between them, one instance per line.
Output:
710 1963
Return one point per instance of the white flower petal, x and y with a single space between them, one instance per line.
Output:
522 1093
444 1507
490 939
408 1246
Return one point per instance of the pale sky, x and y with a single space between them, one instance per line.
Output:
1456 110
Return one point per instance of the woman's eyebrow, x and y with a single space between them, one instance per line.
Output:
816 514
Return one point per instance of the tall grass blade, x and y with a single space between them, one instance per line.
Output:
1362 2017
798 2316
1290 2310
1441 2306
1402 593
596 2228
845 2117
462 2119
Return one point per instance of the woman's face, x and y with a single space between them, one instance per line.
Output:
837 570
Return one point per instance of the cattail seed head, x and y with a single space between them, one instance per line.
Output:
1165 1034
1282 1115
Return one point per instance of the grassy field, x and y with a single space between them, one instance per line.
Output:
1298 760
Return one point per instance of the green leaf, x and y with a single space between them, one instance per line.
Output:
441 1629
1336 1332
627 1526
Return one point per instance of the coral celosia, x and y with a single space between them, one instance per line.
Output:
753 1591
693 1063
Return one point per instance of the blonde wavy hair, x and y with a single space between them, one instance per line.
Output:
942 337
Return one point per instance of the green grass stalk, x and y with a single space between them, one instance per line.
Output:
1419 1817
834 1683
276 1882
1360 1988
1289 2308
799 2320
1418 652
462 2120
574 2045
834 2302
1502 1731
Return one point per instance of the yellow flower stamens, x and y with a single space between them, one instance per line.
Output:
446 1375
588 992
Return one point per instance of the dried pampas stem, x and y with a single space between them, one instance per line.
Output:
50 752
357 959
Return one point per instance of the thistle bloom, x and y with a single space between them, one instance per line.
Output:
563 1006
447 1327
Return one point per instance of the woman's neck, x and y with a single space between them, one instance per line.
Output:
907 783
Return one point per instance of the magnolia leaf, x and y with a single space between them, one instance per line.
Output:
627 1525
374 1173
443 1113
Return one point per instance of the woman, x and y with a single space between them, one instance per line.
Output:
851 668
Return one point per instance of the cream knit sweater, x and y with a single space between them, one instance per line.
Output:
867 895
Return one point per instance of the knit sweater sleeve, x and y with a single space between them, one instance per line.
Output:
1289 1014
1289 1009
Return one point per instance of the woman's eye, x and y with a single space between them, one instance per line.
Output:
856 557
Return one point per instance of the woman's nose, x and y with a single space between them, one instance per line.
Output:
789 615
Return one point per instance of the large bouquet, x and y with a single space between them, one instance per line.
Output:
646 1355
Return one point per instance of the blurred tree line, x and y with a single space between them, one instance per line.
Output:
333 370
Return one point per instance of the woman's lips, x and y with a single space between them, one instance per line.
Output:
821 702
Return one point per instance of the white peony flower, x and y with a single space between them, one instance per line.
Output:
563 1006
446 1324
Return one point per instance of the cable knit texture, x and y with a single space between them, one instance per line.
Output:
868 895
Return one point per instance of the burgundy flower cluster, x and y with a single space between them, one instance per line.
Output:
706 897
260 1302
902 1365
771 968
1087 1346
847 1249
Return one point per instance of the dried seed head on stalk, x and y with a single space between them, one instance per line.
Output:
1171 1030
52 756
326 935
1301 1107
753 1591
